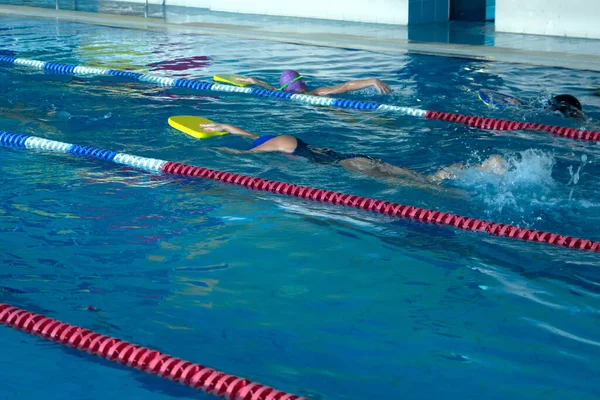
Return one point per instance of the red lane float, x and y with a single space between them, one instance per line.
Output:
187 373
382 207
505 125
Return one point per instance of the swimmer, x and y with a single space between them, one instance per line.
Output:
564 104
359 163
567 105
292 82
31 119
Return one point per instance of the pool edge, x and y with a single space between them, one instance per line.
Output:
358 42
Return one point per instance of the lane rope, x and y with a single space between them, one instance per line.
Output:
423 215
194 375
472 121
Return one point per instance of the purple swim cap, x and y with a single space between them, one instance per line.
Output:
287 77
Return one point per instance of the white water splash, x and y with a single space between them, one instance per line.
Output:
528 180
575 175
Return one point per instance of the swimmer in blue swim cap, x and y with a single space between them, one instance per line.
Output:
291 81
352 162
565 104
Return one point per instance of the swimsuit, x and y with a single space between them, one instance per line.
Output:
321 155
314 154
261 140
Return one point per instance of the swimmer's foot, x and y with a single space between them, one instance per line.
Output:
445 173
494 164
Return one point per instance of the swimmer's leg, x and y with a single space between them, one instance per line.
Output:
380 169
445 173
398 175
494 164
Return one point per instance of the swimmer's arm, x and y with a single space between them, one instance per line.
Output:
238 131
229 150
353 86
259 149
267 147
258 82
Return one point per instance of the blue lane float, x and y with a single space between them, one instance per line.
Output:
80 70
9 139
468 120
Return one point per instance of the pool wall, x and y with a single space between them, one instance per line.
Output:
380 11
549 17
540 17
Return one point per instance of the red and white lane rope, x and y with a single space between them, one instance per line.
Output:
348 200
131 355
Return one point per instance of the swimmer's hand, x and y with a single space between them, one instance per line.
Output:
381 86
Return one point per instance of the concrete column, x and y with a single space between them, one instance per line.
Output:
428 11
490 10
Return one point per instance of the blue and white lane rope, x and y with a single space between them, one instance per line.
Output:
469 120
8 139
81 70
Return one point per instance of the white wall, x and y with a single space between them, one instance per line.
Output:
381 11
573 18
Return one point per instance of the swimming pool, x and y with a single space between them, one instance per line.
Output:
316 300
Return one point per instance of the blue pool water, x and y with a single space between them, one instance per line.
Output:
318 300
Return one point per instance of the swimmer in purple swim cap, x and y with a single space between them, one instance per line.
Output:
292 82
